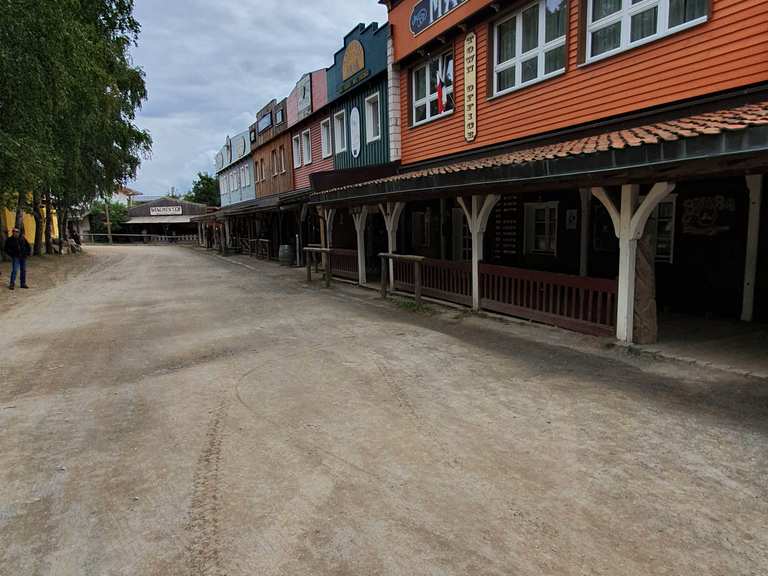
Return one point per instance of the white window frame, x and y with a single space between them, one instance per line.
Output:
542 49
282 159
338 148
306 146
296 143
624 15
325 138
273 156
429 98
369 117
529 212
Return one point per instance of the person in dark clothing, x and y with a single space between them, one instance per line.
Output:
18 249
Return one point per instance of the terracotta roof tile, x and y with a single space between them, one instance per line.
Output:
693 126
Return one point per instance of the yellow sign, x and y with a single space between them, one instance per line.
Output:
354 60
470 87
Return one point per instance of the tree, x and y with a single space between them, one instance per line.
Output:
68 101
205 190
118 216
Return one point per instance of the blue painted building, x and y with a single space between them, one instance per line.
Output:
234 168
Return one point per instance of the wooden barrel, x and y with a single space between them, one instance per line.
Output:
286 255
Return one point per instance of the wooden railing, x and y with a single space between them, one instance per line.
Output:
343 263
442 279
314 255
573 302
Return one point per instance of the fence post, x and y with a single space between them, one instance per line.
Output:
417 281
328 272
384 274
309 257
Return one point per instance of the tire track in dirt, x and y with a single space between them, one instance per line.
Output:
204 549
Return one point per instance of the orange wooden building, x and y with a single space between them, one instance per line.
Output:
585 163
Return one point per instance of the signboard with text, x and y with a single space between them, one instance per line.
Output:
427 12
165 210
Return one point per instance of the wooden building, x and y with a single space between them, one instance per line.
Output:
579 162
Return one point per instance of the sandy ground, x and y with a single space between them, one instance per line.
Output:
169 412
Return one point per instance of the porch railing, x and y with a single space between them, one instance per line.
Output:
573 302
343 263
441 279
262 249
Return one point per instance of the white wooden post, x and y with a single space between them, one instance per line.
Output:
477 219
586 197
629 226
226 233
391 212
755 186
360 216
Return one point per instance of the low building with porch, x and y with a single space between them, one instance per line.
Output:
166 218
594 165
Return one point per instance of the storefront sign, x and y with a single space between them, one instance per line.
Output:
427 12
470 87
353 69
354 132
165 210
304 90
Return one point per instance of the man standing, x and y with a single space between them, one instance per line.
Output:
18 249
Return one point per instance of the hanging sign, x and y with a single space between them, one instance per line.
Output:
427 12
470 87
354 132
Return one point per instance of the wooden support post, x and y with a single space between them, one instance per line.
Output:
417 281
384 269
755 186
391 212
477 219
310 257
360 216
629 225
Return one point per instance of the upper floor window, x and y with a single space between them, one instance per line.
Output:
306 146
279 116
263 171
529 45
340 131
274 162
282 159
616 25
372 118
325 137
296 151
432 88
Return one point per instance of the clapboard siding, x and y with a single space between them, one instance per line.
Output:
725 53
376 152
319 164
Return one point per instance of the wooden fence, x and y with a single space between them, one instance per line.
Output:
441 279
577 303
344 263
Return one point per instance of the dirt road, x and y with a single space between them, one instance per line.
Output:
168 412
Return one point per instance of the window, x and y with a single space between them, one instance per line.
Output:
421 229
325 137
279 117
541 228
263 172
616 25
432 88
274 162
529 45
340 131
372 118
306 146
282 159
296 151
665 230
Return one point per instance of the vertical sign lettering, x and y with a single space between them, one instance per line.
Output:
470 87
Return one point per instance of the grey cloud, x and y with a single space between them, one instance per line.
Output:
211 65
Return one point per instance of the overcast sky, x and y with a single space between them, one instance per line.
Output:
211 65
